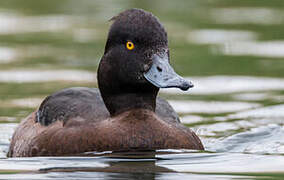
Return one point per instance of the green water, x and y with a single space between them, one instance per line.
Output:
232 50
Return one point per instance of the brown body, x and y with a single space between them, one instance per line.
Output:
132 130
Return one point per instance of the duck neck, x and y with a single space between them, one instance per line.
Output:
121 88
119 103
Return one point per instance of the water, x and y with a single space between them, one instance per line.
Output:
231 50
159 165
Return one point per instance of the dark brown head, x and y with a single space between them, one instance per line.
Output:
136 63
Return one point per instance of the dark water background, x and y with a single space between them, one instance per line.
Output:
232 50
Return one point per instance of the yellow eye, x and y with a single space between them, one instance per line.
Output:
129 45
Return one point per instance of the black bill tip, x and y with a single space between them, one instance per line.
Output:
186 85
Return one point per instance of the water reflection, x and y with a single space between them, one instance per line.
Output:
252 96
30 75
6 131
264 49
7 55
115 176
261 140
237 43
230 84
148 165
11 23
210 107
271 112
247 15
220 36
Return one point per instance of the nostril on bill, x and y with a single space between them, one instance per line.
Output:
159 69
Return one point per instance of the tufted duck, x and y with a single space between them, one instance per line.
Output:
124 115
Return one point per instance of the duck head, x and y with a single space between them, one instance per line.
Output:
135 63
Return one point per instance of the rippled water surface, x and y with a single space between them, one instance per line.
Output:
232 51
